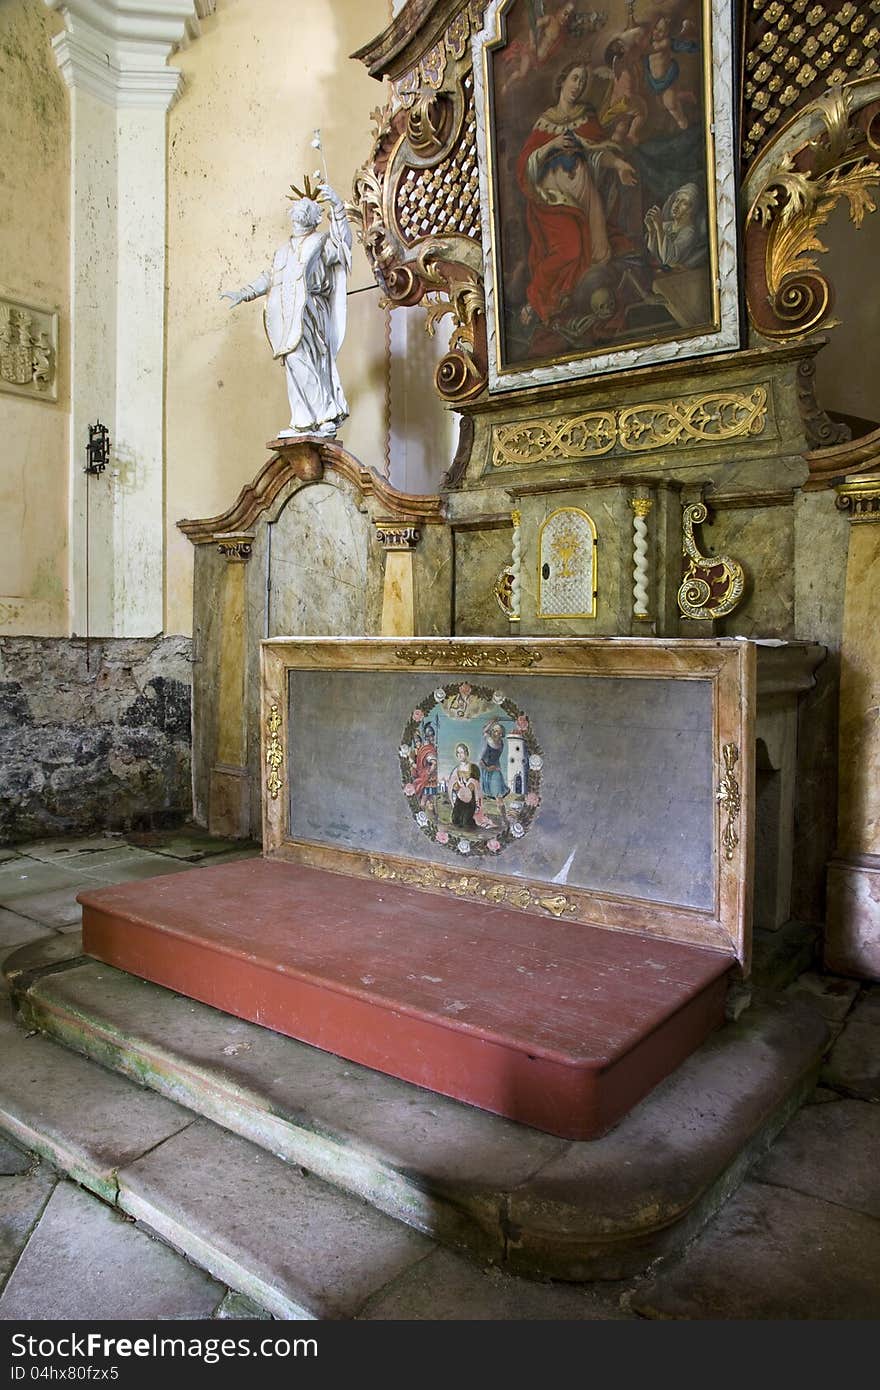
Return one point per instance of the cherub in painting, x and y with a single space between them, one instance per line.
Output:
625 109
663 72
548 33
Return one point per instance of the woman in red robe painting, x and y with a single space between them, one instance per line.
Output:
558 172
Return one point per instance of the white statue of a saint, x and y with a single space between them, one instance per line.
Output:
305 312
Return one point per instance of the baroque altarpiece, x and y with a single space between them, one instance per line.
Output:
620 213
532 755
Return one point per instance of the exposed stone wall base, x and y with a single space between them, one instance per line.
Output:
93 736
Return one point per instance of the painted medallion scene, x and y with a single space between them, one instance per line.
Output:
602 222
470 768
585 781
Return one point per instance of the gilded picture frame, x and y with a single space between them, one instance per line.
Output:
608 189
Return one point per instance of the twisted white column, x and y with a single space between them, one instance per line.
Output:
516 567
641 506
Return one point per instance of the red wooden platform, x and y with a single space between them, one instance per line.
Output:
555 1024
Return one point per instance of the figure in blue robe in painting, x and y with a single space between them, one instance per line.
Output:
491 775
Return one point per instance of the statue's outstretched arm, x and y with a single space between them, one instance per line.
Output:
340 229
256 288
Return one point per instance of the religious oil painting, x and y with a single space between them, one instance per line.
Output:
607 185
471 769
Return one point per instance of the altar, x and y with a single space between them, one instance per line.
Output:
516 873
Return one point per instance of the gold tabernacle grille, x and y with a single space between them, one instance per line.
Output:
794 50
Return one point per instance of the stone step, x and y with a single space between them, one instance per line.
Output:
524 1200
297 1246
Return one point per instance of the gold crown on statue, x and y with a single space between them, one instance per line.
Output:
309 189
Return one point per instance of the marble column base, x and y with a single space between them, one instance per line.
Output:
852 933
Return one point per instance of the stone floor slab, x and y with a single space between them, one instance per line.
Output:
14 1160
16 930
832 995
85 1261
292 1243
232 856
771 1254
24 878
190 842
7 854
22 1199
128 868
57 907
854 1064
444 1287
85 1120
831 1152
62 850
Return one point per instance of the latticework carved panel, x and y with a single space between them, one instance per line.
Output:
444 200
795 49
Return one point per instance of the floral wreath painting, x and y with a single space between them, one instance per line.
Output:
470 768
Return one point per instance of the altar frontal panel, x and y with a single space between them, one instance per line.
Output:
602 782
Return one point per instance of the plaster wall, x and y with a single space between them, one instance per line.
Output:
260 78
34 268
424 431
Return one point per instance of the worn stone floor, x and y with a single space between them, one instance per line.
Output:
800 1239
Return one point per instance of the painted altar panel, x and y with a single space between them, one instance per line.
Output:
593 782
607 184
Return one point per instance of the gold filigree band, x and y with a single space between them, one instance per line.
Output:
468 658
705 419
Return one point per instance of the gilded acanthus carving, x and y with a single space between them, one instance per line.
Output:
789 296
730 800
713 585
427 124
703 419
473 886
416 204
796 48
470 658
274 753
28 350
